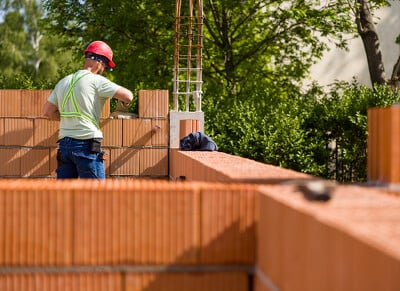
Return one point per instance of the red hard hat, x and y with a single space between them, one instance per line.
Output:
101 48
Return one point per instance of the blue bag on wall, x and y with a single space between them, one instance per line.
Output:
197 141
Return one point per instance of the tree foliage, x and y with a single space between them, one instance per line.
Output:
316 132
26 51
268 43
139 32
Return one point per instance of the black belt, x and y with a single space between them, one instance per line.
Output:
96 139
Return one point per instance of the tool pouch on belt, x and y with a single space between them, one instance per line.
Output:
95 145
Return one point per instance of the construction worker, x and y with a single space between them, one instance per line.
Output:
77 101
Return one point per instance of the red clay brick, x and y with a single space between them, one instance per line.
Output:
33 218
2 139
153 103
372 145
153 162
18 131
394 151
45 132
321 242
32 102
160 132
150 220
105 113
10 103
53 161
385 139
10 159
112 132
35 162
228 223
124 161
136 132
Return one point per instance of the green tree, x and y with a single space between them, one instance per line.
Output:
262 43
25 50
364 19
139 32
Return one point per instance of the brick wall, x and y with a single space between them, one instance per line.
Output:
214 231
350 242
234 224
126 235
28 142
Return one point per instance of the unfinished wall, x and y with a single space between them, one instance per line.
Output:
28 142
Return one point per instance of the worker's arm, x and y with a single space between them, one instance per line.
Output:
123 95
51 111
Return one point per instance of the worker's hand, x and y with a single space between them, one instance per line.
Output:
122 106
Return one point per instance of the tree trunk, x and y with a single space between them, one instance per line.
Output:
395 79
366 29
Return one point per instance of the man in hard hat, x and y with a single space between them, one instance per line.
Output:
77 101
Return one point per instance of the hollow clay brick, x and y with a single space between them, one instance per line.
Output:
153 103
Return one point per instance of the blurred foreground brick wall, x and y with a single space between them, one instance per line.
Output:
28 142
196 235
126 235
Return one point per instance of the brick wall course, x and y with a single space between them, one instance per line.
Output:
222 167
92 223
23 130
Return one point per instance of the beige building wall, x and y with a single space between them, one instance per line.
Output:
338 64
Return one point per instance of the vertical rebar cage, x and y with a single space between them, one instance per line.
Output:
187 82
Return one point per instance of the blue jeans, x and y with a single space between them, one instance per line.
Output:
76 160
